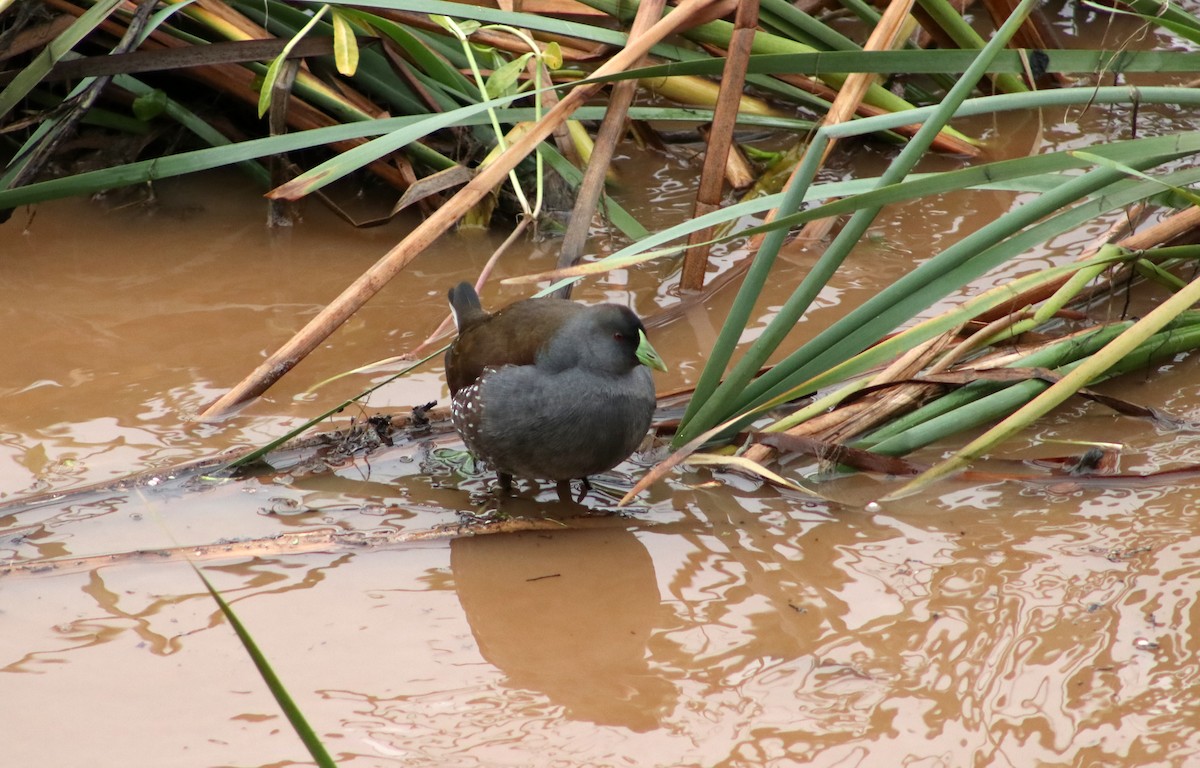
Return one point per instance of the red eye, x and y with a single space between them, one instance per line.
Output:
619 336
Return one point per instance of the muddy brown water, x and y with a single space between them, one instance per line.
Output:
716 624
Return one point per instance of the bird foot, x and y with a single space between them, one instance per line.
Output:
564 490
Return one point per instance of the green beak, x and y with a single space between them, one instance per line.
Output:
647 355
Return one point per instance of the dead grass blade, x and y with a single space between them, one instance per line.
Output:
1089 369
742 464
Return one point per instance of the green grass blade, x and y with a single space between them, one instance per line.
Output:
617 214
1157 274
1038 174
352 159
134 173
299 724
207 159
718 33
530 21
964 36
1042 171
983 405
375 75
708 398
713 403
1096 159
431 64
949 271
889 349
1007 102
920 427
931 62
790 21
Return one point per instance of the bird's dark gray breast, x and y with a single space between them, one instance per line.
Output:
560 426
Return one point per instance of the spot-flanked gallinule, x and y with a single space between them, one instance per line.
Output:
547 388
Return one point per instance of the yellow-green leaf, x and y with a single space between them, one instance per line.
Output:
264 96
552 57
345 45
503 81
150 105
460 29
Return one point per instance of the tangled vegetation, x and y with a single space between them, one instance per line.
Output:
444 105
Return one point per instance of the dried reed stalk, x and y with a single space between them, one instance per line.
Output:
720 140
591 189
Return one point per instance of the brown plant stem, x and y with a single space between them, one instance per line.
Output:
720 139
292 543
591 189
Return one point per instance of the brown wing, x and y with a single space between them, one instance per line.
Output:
512 336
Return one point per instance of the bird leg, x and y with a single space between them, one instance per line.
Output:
564 490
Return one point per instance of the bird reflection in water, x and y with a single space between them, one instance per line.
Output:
568 614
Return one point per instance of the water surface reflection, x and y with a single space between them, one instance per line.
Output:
569 615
